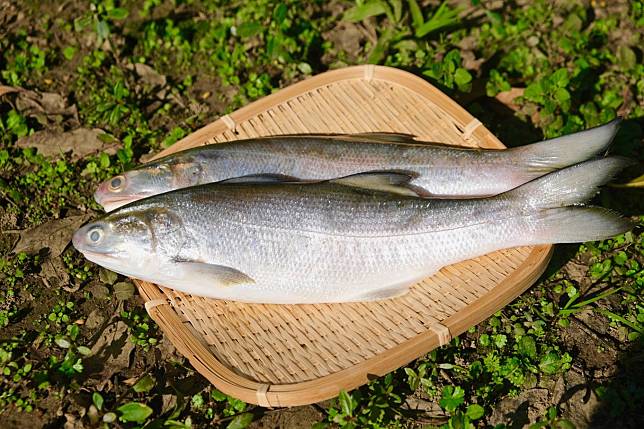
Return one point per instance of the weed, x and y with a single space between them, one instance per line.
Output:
143 332
575 67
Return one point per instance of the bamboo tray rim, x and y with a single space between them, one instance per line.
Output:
189 342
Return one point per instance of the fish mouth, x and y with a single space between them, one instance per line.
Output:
98 257
110 202
98 254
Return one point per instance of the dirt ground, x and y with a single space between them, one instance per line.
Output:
107 311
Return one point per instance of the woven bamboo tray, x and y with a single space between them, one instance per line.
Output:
287 355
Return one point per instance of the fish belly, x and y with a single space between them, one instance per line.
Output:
309 268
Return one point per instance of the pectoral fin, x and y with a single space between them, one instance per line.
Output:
380 294
392 182
218 275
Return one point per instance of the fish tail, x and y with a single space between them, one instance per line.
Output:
570 186
549 155
551 205
577 224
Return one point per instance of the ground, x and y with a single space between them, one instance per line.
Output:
90 88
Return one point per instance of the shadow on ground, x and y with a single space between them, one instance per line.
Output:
605 386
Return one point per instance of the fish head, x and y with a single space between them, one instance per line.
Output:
150 179
131 241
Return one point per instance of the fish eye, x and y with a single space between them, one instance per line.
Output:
117 183
95 235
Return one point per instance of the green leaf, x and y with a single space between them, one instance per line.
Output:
97 399
563 98
626 57
102 30
217 395
85 351
443 17
620 258
134 412
550 363
81 23
416 15
397 6
500 340
249 29
144 385
305 68
527 346
462 78
69 52
371 8
17 124
118 13
175 135
560 78
638 182
564 424
484 340
346 403
474 411
240 421
279 14
109 418
452 398
534 92
379 51
62 342
105 163
600 269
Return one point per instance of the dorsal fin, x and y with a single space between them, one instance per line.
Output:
261 178
382 137
384 181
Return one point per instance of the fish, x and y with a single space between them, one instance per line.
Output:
438 170
343 240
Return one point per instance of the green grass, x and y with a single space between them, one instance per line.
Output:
572 66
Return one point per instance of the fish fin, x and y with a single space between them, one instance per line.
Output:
383 137
384 181
381 294
569 186
549 155
261 178
577 224
219 275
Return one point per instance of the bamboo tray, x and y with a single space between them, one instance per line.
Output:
287 355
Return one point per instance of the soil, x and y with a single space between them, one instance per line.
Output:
601 355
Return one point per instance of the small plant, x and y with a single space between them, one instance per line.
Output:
452 401
143 331
23 61
100 18
14 124
370 407
571 65
401 28
551 421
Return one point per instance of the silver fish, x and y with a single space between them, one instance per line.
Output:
437 170
336 241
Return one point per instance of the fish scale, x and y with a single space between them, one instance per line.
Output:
437 170
334 242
